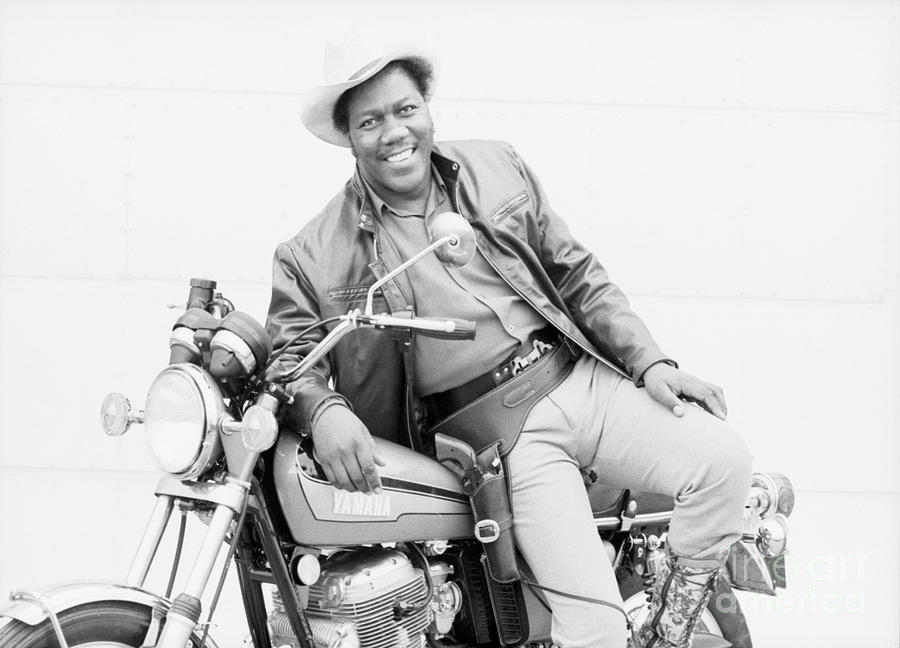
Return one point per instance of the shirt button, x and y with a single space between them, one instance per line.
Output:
511 328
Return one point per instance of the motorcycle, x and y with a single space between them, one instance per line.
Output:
404 567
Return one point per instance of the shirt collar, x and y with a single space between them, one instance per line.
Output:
436 195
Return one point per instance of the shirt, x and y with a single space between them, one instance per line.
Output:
474 292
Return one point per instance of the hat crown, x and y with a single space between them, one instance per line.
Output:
349 59
346 64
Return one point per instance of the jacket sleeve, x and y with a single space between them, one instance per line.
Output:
599 307
294 307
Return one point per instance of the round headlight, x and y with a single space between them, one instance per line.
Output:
183 407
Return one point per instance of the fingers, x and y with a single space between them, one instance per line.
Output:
368 472
337 475
708 396
719 395
346 451
673 387
670 399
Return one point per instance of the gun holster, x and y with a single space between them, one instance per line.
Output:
493 517
483 477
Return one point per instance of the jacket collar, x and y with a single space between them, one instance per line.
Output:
447 168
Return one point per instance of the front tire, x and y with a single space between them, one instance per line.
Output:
102 624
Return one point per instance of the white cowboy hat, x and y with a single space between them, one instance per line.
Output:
348 64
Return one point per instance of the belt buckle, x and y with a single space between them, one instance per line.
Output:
519 365
538 349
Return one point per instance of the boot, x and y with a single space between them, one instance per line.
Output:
679 594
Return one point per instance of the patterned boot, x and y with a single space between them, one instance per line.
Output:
679 594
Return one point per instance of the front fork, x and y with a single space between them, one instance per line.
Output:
183 616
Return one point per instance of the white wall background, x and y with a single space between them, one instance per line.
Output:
736 165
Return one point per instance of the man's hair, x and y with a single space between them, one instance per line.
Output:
417 69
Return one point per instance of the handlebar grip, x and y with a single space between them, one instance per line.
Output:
462 329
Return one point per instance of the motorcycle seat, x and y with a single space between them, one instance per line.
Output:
608 501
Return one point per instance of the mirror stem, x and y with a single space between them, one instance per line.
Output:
450 238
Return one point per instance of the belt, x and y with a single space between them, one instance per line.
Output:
497 416
537 345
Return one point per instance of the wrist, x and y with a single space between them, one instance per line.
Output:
662 361
324 405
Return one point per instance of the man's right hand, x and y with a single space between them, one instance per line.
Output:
346 451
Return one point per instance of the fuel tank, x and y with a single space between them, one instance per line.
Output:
420 499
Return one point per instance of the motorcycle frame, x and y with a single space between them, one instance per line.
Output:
259 519
229 501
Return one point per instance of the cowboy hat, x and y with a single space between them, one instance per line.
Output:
347 65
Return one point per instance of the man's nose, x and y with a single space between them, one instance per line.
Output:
394 130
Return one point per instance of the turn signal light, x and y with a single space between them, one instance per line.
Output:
772 538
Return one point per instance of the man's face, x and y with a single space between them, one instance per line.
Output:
391 135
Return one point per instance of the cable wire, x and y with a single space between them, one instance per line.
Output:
178 547
299 335
629 624
231 550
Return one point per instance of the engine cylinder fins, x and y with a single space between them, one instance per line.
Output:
372 582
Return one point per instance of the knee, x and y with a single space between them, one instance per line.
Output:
733 464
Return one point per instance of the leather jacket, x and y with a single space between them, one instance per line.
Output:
326 269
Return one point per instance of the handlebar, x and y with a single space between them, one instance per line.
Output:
447 329
441 328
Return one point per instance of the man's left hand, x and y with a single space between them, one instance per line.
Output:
671 386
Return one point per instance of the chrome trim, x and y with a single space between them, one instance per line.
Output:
403 266
41 601
334 336
213 413
228 495
765 490
209 551
143 557
65 596
642 519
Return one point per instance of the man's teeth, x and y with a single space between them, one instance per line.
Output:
400 156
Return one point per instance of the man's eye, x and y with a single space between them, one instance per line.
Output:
408 109
368 123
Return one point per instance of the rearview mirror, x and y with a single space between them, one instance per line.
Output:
461 248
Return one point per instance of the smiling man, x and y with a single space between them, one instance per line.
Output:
393 134
613 405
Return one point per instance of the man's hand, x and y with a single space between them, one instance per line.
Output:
671 386
346 450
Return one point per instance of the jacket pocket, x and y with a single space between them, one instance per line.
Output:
351 293
503 211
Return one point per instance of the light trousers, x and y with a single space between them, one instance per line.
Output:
595 420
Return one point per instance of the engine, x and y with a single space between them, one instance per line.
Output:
374 598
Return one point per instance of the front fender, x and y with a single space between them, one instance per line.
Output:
64 596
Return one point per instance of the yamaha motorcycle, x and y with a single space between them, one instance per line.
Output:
320 567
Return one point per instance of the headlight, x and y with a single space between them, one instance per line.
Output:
183 408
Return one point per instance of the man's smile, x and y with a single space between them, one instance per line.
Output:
400 156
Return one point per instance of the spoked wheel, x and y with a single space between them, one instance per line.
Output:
721 618
104 624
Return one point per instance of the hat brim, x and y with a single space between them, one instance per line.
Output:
317 110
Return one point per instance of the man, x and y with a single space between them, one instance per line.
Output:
617 411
